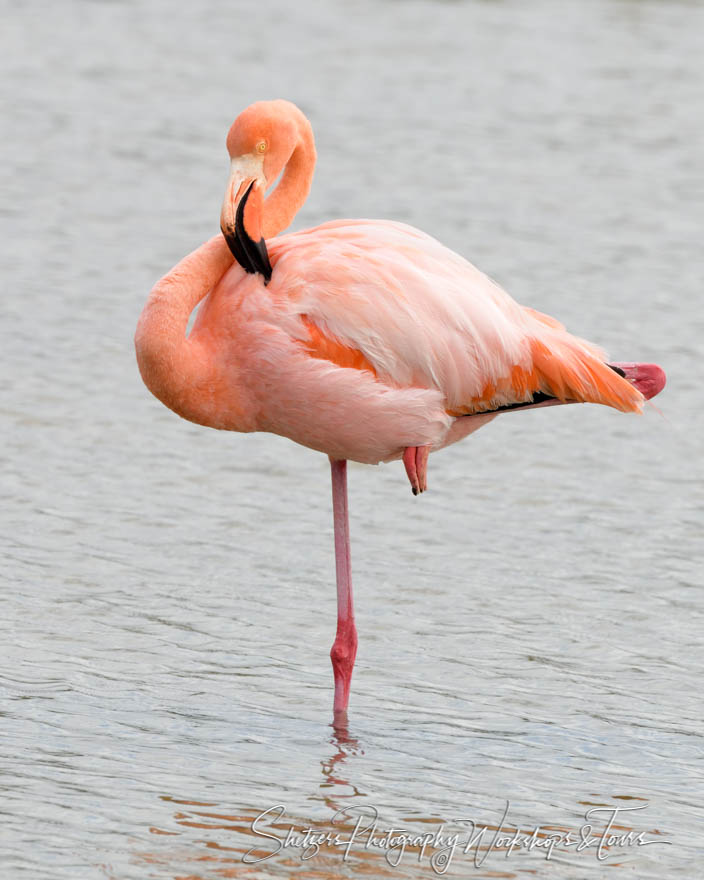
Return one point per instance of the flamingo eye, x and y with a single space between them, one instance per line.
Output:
261 146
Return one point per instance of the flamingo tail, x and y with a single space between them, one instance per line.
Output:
647 379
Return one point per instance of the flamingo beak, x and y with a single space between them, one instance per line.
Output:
240 217
240 178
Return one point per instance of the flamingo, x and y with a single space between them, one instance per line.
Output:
367 340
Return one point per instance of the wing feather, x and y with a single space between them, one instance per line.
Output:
384 297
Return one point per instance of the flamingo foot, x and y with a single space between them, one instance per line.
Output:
649 379
415 460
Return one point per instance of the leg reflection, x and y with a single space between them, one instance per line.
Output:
336 785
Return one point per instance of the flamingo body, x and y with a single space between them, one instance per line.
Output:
372 337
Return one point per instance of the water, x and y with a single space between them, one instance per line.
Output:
530 629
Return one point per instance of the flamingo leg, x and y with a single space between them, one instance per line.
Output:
415 460
344 649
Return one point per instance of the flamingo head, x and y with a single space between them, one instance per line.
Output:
260 142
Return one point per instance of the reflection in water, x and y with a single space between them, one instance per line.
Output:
252 846
334 784
271 840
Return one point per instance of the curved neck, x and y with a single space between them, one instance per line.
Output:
284 202
172 367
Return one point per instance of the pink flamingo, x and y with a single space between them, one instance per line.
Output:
364 339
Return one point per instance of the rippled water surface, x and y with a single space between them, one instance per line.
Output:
531 629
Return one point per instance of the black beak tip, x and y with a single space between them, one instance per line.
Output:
236 249
251 255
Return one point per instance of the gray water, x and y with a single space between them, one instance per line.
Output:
530 629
